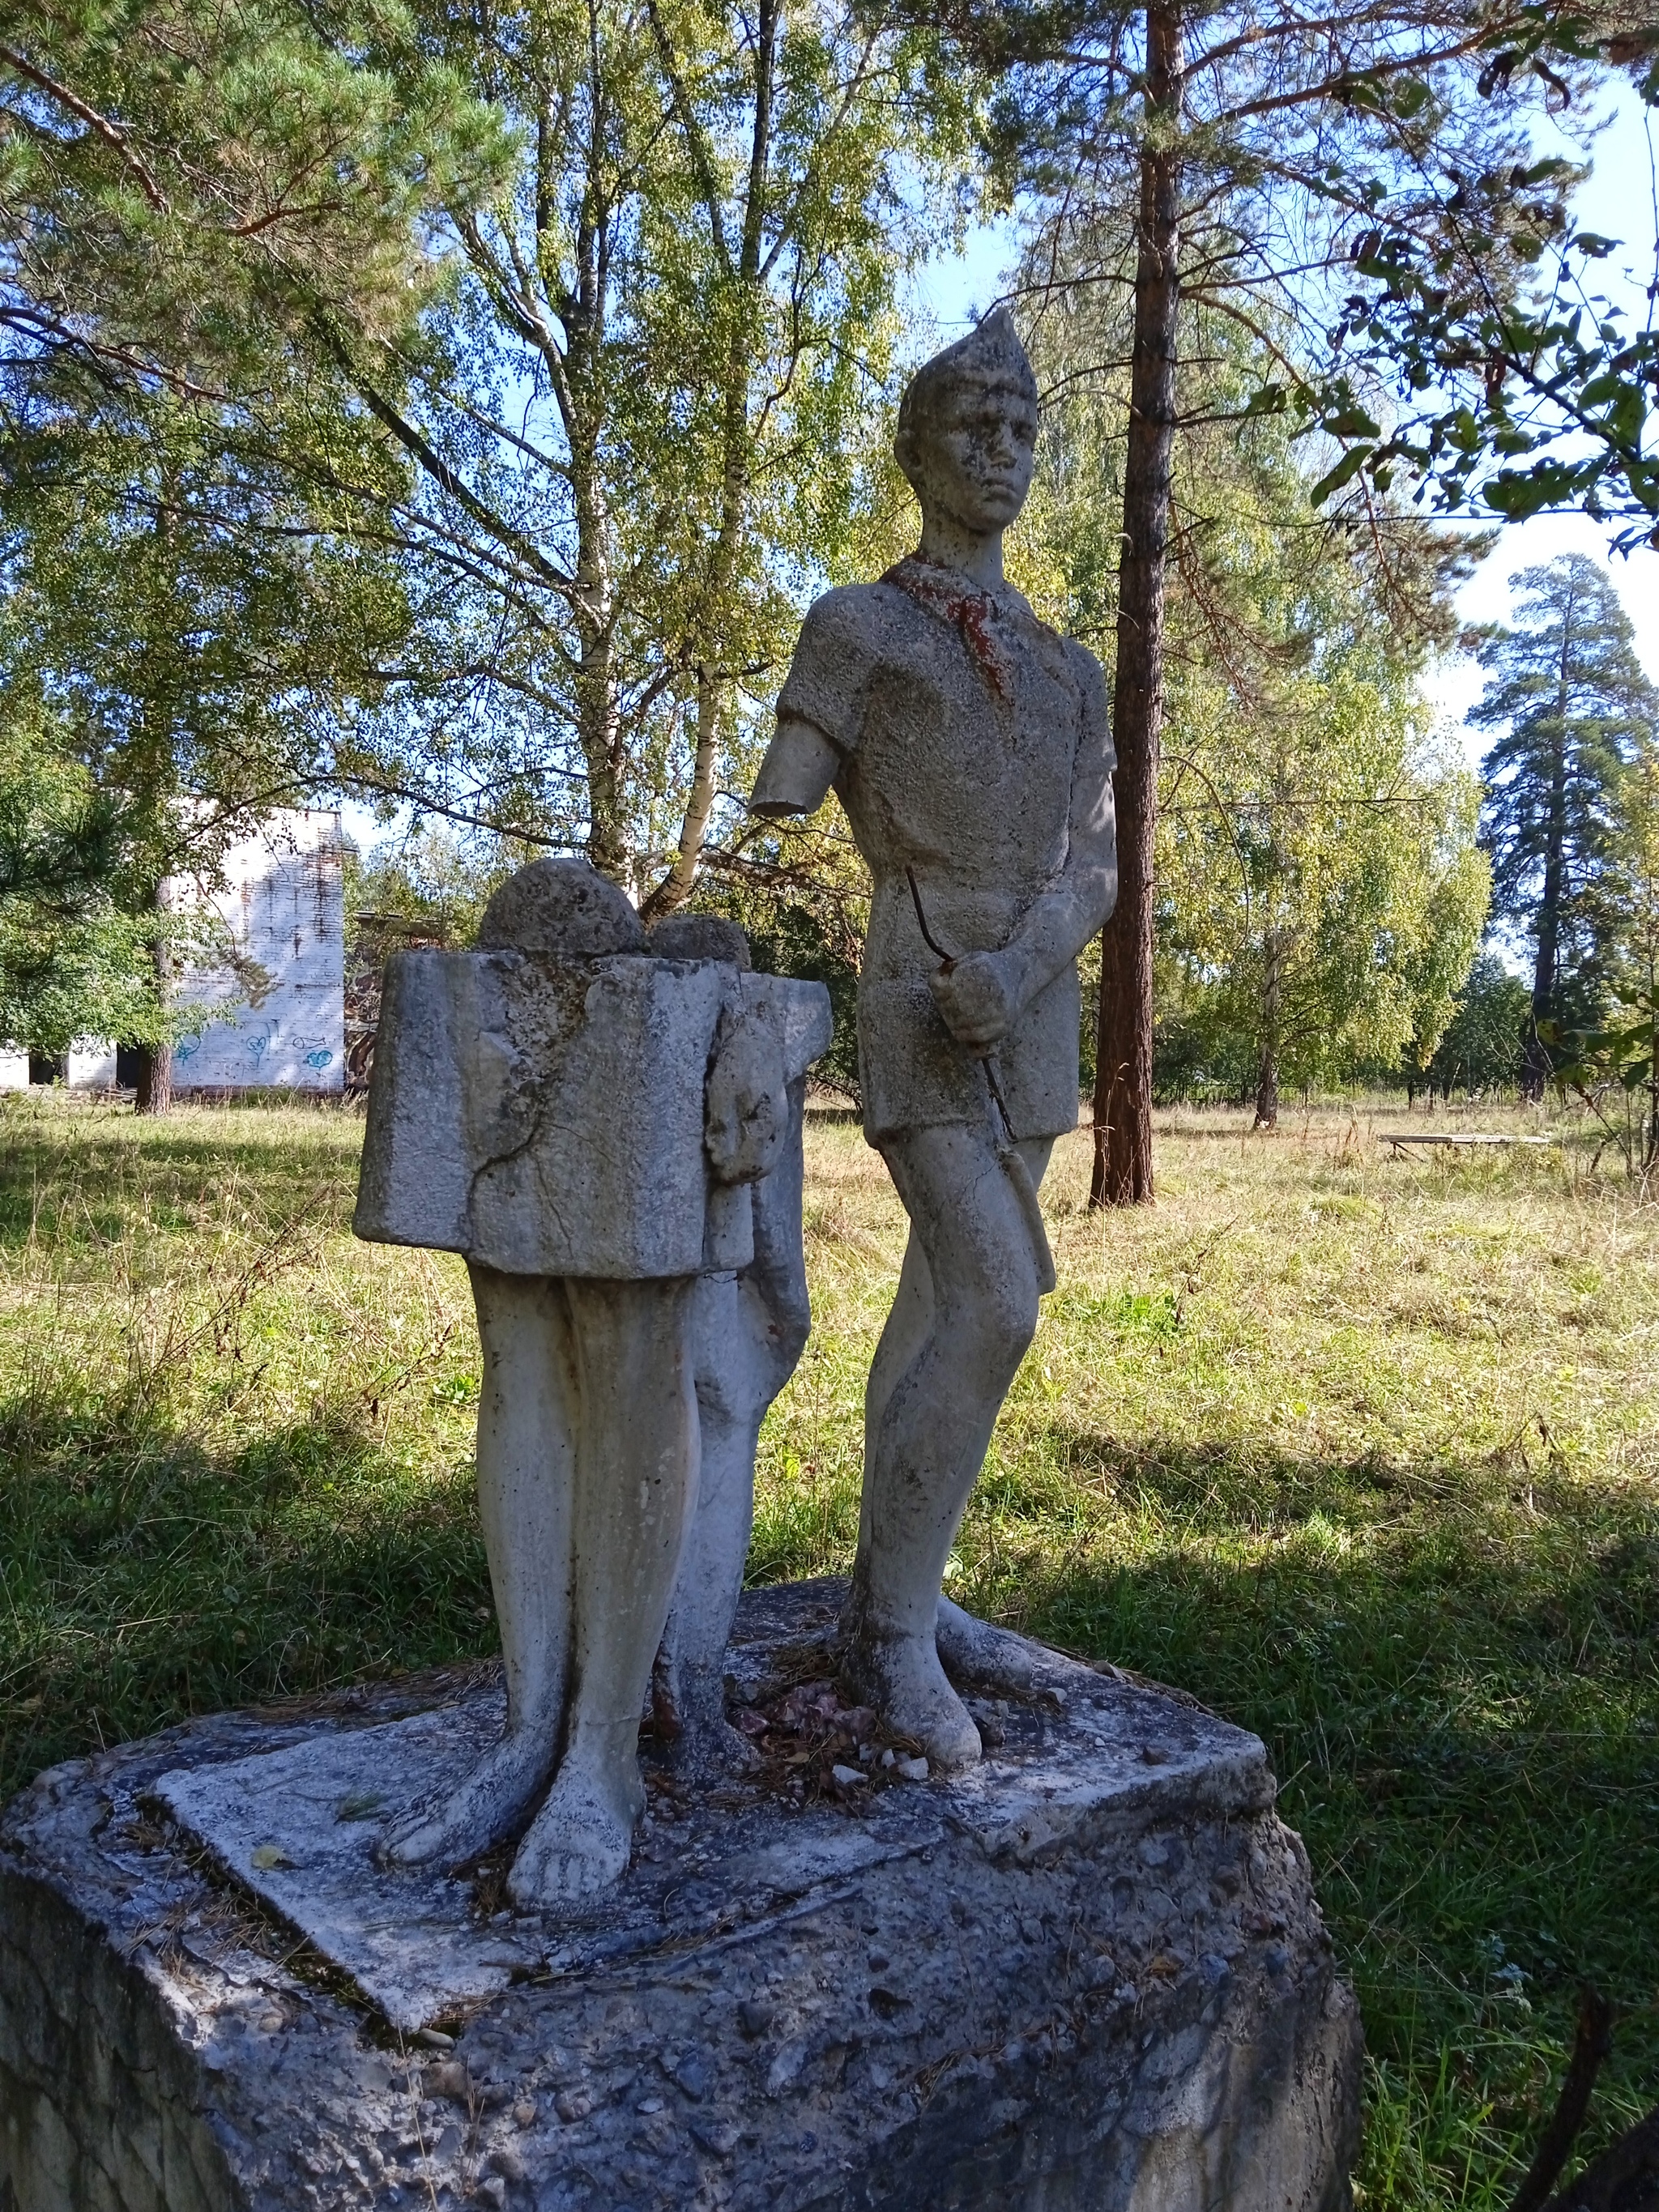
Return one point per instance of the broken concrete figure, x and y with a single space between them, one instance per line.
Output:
748 1329
586 1118
969 745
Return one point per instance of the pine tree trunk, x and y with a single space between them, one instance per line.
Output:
1122 1173
714 624
1537 1065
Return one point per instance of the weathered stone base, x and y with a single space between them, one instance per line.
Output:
1090 1977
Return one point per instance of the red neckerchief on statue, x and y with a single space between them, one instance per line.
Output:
949 594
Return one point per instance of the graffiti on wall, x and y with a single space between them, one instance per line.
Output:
278 1000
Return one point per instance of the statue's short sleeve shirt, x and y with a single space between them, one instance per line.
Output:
965 730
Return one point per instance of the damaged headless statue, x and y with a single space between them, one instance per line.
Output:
609 1130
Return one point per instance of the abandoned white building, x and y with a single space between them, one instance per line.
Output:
274 1011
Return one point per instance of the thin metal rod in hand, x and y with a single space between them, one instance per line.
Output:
947 963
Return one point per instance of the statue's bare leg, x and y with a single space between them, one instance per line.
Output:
904 1334
687 1686
636 1481
967 1645
960 1327
750 1330
526 1463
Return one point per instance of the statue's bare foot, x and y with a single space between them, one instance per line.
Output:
457 1823
902 1677
580 1842
984 1653
689 1708
712 1751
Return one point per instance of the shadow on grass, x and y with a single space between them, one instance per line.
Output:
1456 1670
146 1578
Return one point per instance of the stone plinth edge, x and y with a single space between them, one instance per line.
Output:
1090 1977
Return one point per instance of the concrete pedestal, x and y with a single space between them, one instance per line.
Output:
1087 1977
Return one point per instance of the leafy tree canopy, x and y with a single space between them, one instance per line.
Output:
637 426
1510 375
71 964
1484 1043
1321 895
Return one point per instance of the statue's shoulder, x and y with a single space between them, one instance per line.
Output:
858 618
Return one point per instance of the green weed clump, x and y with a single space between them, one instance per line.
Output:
1362 1452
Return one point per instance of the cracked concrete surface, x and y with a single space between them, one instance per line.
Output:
1087 1977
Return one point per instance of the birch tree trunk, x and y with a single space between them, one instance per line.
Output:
716 610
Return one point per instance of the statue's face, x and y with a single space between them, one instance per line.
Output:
976 455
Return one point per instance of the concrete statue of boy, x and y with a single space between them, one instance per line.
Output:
971 748
585 1118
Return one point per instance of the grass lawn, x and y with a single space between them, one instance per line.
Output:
1363 1452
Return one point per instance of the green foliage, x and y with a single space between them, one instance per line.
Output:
1364 188
64 977
789 937
433 880
195 202
1373 182
1484 1043
803 895
174 595
637 424
59 837
186 648
185 187
1487 323
1328 899
1320 895
1568 694
1613 1065
71 964
1621 1057
1197 1056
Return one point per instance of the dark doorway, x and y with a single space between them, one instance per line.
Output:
43 1068
129 1064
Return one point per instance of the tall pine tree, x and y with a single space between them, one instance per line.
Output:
1568 694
